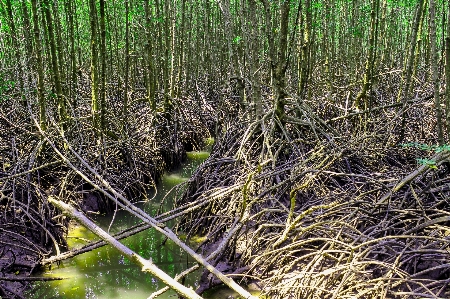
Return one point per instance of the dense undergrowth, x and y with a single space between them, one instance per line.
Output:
326 203
333 207
131 155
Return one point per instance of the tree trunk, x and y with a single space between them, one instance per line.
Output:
94 67
279 68
39 67
406 80
70 12
16 48
127 60
254 62
435 71
305 51
55 65
447 73
103 66
368 75
150 71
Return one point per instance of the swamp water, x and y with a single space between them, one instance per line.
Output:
105 274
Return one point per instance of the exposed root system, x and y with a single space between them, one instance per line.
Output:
318 215
131 156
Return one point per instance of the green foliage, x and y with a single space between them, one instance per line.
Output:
430 163
5 86
426 147
317 5
237 39
366 8
403 3
4 28
422 146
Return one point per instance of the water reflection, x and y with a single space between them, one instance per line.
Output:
104 273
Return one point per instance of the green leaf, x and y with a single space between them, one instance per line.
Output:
317 5
428 162
237 39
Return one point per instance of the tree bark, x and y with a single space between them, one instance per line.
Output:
278 60
39 67
406 79
447 73
103 66
55 65
150 69
368 75
94 67
435 71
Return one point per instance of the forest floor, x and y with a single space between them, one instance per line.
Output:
131 156
327 203
332 205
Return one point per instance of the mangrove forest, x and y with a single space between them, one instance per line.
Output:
277 149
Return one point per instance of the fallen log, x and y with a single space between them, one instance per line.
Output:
438 158
146 265
128 206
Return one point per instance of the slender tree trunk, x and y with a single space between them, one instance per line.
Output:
173 50
150 71
39 67
103 66
27 31
16 48
368 76
406 80
94 67
435 71
166 72
447 72
419 44
254 62
305 51
327 45
181 51
228 29
281 65
59 47
55 66
70 12
383 32
127 60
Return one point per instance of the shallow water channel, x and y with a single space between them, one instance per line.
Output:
105 273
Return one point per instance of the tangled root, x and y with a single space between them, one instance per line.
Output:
315 216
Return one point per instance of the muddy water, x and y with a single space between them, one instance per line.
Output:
105 274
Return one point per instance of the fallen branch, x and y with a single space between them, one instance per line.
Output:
438 158
128 232
40 278
146 265
128 206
